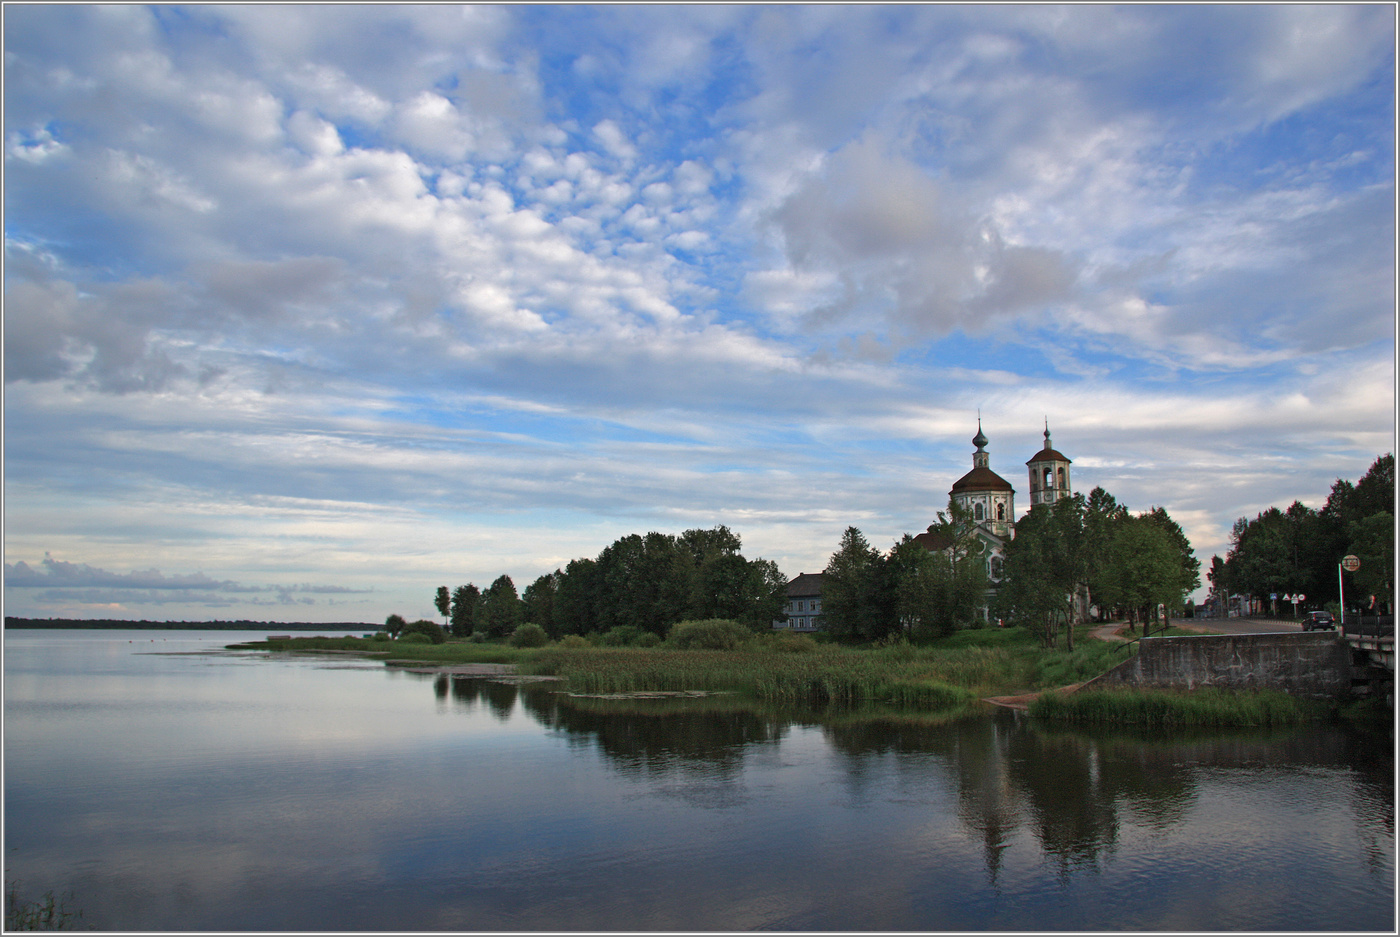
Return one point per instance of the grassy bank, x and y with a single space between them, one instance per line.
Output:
950 672
945 676
1206 706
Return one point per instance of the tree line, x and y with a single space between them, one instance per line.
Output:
1067 557
1298 550
645 583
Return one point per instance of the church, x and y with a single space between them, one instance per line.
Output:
990 501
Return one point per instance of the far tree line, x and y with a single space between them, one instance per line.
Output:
1298 550
1067 557
642 583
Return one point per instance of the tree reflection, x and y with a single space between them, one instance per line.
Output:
1072 790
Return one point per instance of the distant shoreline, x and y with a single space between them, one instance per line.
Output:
21 624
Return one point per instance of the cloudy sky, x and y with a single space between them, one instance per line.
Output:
309 310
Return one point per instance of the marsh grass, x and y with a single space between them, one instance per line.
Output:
46 913
1206 706
780 668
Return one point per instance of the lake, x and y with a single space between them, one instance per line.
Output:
167 784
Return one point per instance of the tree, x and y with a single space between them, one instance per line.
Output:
856 603
1146 568
465 600
1184 573
1372 540
500 608
443 601
394 624
539 599
1102 517
577 596
1046 567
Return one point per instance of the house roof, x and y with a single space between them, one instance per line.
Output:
933 541
982 478
805 584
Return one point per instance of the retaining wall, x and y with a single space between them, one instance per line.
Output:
1312 664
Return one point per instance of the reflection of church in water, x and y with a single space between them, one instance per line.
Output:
990 500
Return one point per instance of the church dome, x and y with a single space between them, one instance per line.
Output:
982 478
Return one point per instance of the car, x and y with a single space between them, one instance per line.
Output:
1319 621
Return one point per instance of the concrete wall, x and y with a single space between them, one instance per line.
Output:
1311 664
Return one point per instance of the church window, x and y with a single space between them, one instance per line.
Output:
996 567
977 511
1001 512
1061 473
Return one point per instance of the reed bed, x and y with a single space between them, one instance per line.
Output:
1164 708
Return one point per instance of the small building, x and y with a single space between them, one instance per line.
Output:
804 604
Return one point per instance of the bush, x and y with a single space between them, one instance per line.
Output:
380 636
415 637
429 629
621 636
529 635
789 642
478 637
574 641
648 639
712 634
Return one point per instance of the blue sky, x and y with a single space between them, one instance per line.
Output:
309 310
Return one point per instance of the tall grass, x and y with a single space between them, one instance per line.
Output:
1163 708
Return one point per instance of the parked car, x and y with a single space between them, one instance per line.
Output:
1319 621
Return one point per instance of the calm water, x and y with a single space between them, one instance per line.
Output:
169 789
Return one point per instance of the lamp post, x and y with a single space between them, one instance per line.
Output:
1351 564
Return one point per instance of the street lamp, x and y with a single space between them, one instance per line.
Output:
1351 564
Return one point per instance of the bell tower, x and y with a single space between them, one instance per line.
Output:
1049 471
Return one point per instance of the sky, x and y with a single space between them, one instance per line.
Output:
312 309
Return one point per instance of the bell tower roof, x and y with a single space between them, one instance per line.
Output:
1049 453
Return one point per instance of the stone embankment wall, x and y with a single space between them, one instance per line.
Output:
1312 664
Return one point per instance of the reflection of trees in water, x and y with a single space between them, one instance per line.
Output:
468 692
1072 789
639 736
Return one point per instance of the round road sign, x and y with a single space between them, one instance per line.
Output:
1351 563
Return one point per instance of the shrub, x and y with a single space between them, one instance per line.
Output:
430 629
415 637
574 641
785 642
712 634
621 636
380 636
478 637
529 635
648 639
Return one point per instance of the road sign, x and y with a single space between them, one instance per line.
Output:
1351 563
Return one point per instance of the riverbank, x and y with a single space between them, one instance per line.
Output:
1004 667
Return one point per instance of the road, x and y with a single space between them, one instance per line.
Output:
1238 625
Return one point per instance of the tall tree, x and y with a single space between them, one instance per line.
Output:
855 601
539 598
465 600
443 601
500 608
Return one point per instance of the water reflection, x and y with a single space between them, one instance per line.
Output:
1073 791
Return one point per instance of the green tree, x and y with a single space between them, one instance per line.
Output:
394 624
1372 541
465 600
1184 572
577 597
1146 569
539 597
856 601
1046 568
443 601
501 612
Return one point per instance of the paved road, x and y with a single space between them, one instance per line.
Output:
1208 626
1239 625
